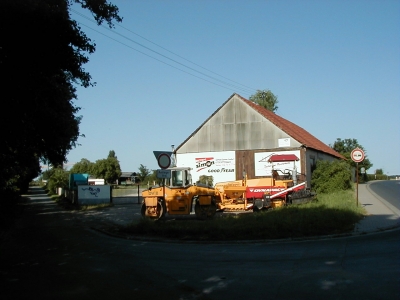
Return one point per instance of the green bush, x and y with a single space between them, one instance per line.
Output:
377 177
331 176
58 179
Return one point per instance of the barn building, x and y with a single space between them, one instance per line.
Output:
241 136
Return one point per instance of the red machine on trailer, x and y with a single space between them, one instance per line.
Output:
286 188
264 193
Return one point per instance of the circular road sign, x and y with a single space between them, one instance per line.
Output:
164 160
357 155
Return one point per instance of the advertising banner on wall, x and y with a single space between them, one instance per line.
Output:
220 165
93 194
264 168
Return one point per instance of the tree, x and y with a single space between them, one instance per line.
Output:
58 179
111 154
42 54
152 178
84 167
266 99
208 180
144 173
345 147
108 169
47 174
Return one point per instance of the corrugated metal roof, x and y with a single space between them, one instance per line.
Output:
296 132
126 174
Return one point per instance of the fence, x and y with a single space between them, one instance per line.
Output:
127 195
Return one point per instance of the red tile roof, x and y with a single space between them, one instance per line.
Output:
294 131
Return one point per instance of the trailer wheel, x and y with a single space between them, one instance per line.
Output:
258 205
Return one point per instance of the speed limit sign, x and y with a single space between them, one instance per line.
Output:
357 155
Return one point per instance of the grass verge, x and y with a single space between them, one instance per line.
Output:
327 214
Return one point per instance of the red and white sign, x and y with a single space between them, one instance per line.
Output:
259 191
357 155
164 160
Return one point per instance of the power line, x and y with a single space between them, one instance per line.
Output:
153 57
242 88
228 84
127 29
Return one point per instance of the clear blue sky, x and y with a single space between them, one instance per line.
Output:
334 65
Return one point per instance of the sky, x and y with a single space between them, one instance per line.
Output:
334 66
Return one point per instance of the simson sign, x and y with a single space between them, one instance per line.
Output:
220 165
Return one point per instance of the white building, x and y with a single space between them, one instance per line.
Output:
241 136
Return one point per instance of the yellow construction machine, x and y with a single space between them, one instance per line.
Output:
232 195
178 196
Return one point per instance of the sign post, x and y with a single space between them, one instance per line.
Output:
357 155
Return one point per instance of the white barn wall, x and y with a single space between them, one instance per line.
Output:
235 126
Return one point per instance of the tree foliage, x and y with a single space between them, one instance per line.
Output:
144 173
42 54
345 147
152 178
83 167
266 99
208 180
46 174
111 154
331 176
107 169
58 179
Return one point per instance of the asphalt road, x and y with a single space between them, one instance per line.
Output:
388 190
51 253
